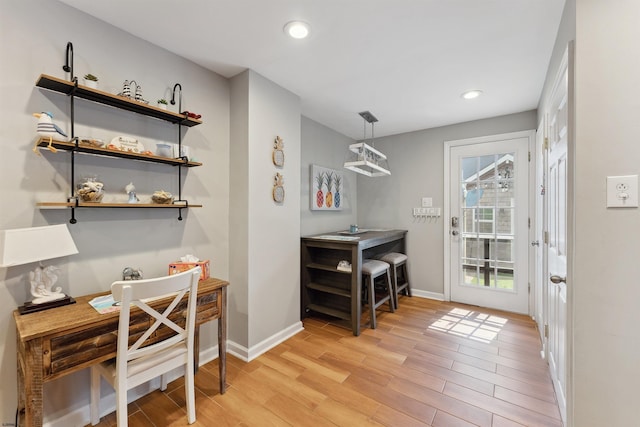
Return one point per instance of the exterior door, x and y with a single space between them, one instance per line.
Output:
556 245
488 221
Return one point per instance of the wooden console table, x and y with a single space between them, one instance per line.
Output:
59 341
324 288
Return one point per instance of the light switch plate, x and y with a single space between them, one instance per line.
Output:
427 202
622 191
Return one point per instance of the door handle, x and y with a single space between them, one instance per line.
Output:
535 243
454 232
558 279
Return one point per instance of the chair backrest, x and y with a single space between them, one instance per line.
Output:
142 293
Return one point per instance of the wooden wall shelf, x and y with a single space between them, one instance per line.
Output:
71 146
60 205
68 87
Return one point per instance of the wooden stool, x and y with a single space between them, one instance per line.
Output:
371 270
398 261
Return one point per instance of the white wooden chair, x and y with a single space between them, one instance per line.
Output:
139 363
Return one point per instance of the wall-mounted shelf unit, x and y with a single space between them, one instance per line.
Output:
73 90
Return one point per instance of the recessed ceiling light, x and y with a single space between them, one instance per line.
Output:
297 29
471 94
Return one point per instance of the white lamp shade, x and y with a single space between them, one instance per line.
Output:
26 245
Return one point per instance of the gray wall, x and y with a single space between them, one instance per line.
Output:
327 148
606 282
417 170
265 235
33 42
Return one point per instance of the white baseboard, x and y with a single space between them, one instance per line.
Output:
248 354
427 294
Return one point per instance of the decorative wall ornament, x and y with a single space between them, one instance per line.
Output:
327 192
278 188
278 152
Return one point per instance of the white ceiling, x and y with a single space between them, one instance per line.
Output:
406 61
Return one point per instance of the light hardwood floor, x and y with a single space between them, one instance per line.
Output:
428 364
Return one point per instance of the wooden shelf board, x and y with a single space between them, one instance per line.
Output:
329 289
324 267
330 311
69 146
67 87
57 205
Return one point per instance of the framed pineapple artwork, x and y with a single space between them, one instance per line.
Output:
327 190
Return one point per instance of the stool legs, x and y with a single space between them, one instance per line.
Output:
404 287
373 304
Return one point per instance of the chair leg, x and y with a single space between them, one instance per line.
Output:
394 280
189 386
405 272
163 382
121 406
95 396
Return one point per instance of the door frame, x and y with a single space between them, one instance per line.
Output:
530 135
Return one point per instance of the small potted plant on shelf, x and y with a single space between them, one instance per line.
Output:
162 103
91 81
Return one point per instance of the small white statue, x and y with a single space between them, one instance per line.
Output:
131 191
42 280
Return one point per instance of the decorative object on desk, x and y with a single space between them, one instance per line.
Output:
162 197
47 129
162 103
278 188
131 192
90 190
127 144
353 228
188 262
365 159
36 244
164 150
130 273
278 152
91 81
330 179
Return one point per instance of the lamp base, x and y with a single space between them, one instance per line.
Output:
29 307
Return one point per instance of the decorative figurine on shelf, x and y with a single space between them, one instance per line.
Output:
126 89
192 115
138 95
131 191
47 129
42 280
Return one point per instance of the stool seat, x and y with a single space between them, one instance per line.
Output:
374 267
394 258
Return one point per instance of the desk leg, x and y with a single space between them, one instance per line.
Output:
30 385
222 341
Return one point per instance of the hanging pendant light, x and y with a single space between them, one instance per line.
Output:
365 159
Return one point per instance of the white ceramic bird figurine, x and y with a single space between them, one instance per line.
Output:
47 129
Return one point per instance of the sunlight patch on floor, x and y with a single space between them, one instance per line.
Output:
470 324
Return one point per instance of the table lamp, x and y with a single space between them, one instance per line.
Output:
36 244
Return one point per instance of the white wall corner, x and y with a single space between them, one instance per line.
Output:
248 354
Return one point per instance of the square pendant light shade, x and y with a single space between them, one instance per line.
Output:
366 160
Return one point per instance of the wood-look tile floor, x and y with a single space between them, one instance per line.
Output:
428 364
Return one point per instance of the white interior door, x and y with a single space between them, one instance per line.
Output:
556 246
488 229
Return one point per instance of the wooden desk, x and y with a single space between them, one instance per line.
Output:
324 288
56 342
